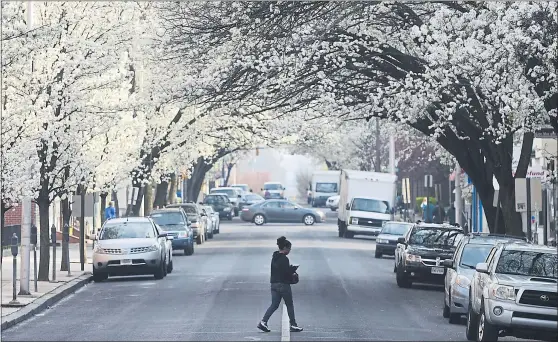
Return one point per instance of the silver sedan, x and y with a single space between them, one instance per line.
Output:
130 246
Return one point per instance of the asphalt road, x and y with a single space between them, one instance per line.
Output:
222 291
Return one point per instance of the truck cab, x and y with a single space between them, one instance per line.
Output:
366 216
324 185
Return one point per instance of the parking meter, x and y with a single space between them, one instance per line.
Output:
53 235
34 235
14 245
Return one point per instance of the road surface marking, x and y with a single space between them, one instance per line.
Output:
285 326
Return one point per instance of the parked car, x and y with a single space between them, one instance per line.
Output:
333 203
194 214
273 190
514 293
234 194
249 199
244 187
206 221
271 211
471 250
387 239
130 246
175 223
214 217
168 260
221 204
420 253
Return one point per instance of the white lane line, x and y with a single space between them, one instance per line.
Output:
285 325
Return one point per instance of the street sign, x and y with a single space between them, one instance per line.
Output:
546 133
521 195
428 181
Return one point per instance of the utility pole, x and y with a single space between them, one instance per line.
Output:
26 208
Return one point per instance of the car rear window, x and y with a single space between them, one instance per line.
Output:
272 187
435 236
169 218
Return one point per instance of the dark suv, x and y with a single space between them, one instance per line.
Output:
194 214
220 204
175 223
420 254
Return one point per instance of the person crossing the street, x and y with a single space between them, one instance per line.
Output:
281 279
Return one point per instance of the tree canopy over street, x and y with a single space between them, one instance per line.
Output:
96 93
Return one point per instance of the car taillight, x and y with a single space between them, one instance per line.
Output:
267 193
245 209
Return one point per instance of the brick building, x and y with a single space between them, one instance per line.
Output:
12 222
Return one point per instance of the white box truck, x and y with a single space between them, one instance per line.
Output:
324 185
365 202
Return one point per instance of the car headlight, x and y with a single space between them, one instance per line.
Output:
382 241
152 248
413 258
99 250
503 292
183 234
354 220
463 282
227 209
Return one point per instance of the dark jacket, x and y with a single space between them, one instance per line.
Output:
281 271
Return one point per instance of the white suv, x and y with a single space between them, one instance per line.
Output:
514 294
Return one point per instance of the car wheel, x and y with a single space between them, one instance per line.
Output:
199 240
472 324
189 250
333 209
486 331
210 235
165 268
259 219
229 217
160 273
170 267
446 311
378 254
349 235
402 280
99 276
308 219
394 268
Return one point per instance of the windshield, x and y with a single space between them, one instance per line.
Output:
433 236
174 219
132 230
370 205
326 187
273 187
474 254
243 187
216 199
228 192
395 229
528 263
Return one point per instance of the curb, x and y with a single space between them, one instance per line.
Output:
49 299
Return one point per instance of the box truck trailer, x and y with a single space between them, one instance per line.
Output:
365 202
324 185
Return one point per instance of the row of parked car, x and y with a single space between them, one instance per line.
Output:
145 245
504 285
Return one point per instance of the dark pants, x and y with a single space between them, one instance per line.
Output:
280 291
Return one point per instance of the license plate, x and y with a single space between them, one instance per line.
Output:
125 262
437 270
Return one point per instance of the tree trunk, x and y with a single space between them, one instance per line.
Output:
195 182
377 147
103 206
171 199
161 194
148 205
44 248
65 204
137 207
114 196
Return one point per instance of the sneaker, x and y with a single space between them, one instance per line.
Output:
295 328
263 326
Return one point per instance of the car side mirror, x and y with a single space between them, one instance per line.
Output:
401 240
163 235
348 206
239 196
448 263
482 267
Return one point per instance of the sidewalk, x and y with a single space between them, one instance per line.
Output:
48 292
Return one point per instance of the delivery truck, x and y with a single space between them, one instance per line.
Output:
365 202
324 185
